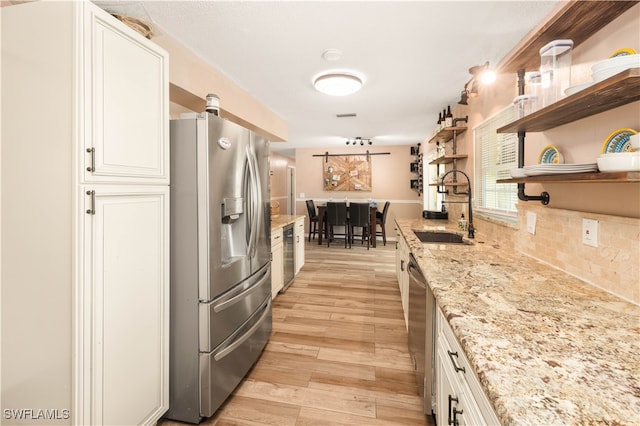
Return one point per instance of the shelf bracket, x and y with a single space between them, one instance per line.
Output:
544 197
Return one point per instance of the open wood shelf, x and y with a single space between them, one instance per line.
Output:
446 134
618 90
592 177
575 20
447 159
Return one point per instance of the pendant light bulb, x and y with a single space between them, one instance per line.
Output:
488 76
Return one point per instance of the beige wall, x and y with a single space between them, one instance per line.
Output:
191 79
613 265
390 176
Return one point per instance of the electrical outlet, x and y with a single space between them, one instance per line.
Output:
531 223
590 232
302 195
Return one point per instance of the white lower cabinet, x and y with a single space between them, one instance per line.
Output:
277 262
402 259
298 236
126 304
460 399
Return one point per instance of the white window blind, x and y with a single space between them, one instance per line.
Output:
495 154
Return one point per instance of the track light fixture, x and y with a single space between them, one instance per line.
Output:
359 140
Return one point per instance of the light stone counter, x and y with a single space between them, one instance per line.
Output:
281 221
546 347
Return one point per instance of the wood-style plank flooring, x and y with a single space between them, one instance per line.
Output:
338 352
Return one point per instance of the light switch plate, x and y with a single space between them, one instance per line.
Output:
590 232
531 223
302 195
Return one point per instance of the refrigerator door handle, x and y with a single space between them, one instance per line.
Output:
254 200
266 273
226 351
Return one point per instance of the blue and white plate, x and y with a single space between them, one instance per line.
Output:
550 155
618 141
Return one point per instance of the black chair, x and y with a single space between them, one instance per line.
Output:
337 216
313 219
360 217
381 219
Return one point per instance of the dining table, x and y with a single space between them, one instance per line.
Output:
322 213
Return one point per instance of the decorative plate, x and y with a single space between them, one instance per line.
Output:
550 155
618 141
623 52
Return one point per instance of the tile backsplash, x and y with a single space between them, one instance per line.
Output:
613 266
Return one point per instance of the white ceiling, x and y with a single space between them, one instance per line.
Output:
414 55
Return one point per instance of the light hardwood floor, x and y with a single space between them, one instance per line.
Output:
338 352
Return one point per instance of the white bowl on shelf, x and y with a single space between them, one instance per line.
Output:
578 87
517 173
612 66
619 162
634 140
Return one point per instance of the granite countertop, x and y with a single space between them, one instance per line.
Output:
282 220
547 348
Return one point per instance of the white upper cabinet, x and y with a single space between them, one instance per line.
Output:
126 104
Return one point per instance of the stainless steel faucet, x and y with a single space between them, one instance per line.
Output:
471 229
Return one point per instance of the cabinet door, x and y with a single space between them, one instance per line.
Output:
446 392
127 90
126 304
277 269
299 244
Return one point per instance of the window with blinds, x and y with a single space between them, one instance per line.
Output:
495 154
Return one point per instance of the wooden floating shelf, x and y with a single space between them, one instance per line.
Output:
446 134
447 159
575 20
591 177
618 90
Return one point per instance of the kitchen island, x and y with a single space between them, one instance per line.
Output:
546 347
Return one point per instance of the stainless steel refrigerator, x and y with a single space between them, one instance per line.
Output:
220 261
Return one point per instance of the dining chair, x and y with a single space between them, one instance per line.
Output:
360 217
313 219
337 216
381 219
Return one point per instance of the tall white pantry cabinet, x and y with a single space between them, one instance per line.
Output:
84 220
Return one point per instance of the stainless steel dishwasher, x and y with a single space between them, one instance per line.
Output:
289 252
422 334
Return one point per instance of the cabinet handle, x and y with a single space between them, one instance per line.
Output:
451 355
449 419
92 208
455 416
402 265
298 239
92 167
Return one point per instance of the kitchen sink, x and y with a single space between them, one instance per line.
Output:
440 237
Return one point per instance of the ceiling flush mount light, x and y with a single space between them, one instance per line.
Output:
337 83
